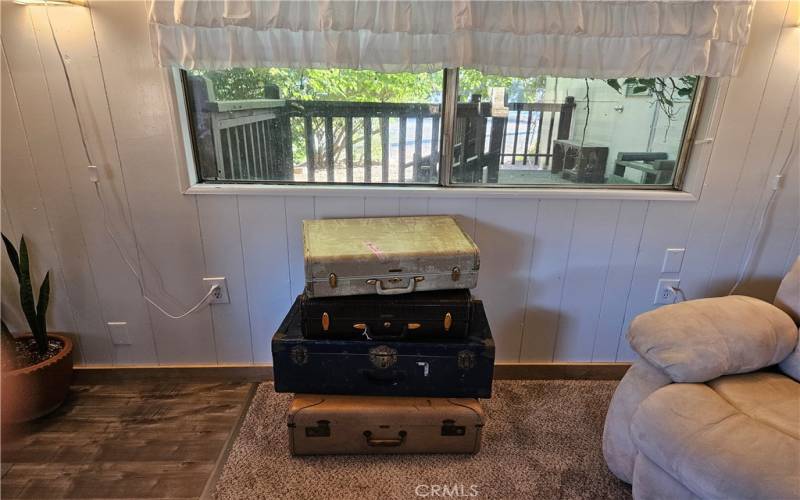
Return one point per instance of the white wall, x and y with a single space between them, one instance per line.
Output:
562 278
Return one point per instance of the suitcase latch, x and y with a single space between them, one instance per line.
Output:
322 429
383 356
448 322
456 274
326 322
449 428
332 280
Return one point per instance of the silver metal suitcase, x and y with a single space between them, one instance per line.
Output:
387 256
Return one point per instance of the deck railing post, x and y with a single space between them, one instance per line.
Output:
207 140
565 118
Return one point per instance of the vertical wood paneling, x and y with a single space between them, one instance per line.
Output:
381 206
265 249
298 208
627 236
782 217
118 290
779 230
413 206
548 264
50 180
665 226
166 224
462 208
327 207
504 230
27 209
222 247
794 251
589 254
732 179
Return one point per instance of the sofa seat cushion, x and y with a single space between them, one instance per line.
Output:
700 340
769 398
721 448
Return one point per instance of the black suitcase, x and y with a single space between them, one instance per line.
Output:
458 368
422 315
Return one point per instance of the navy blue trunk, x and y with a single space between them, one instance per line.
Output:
432 368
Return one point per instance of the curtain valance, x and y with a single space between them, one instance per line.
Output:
591 38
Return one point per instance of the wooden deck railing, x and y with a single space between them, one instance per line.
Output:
252 140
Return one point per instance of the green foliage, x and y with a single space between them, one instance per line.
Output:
35 314
325 84
663 90
345 85
472 81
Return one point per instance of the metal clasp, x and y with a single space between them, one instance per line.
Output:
332 280
456 274
326 322
448 322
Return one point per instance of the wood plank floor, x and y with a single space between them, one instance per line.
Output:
137 439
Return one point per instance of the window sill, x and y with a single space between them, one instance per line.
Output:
441 192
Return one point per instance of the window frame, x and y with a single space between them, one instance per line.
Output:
681 189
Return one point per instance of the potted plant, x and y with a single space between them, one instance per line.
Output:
36 366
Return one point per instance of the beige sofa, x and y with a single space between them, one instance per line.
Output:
712 407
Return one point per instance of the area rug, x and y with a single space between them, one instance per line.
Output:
542 439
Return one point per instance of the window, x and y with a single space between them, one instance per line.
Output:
343 126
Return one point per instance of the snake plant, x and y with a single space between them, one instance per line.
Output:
34 311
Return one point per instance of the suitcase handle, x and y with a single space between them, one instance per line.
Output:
401 437
391 378
412 285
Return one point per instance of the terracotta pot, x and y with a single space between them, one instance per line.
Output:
35 391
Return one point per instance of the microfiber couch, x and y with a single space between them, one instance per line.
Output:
712 407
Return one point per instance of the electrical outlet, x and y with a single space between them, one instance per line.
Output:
664 292
220 295
119 332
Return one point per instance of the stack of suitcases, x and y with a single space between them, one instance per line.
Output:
386 350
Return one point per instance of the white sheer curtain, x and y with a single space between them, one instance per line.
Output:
597 38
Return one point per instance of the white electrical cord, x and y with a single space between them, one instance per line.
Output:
760 228
133 269
94 178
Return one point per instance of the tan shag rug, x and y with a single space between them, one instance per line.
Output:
541 440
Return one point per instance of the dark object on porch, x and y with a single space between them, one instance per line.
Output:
655 167
580 163
470 154
458 368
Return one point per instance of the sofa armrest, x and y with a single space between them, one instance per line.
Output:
700 340
641 380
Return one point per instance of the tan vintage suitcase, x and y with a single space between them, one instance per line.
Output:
325 425
387 256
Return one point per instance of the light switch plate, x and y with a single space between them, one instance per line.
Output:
673 260
119 332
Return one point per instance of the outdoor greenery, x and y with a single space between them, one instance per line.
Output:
348 85
663 90
34 311
327 85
